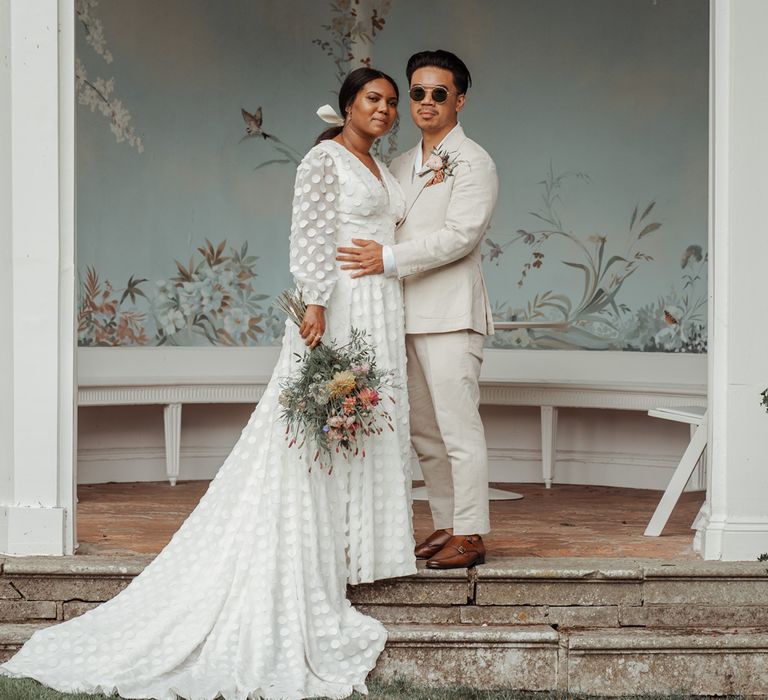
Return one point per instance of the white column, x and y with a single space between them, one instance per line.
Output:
38 108
67 276
6 267
737 525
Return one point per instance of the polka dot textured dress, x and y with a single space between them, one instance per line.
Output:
248 599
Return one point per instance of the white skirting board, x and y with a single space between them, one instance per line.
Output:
125 464
595 447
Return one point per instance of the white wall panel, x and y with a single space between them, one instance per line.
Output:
617 448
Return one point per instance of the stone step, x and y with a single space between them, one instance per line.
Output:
427 587
704 662
595 662
563 593
26 582
76 565
481 656
503 581
12 636
522 657
545 582
537 657
626 582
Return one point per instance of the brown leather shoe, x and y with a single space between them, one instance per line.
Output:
460 552
432 545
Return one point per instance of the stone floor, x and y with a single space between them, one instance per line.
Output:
564 521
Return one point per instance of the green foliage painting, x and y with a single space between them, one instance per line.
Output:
598 318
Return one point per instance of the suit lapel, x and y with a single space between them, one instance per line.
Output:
412 194
413 185
453 142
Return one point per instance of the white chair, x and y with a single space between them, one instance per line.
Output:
694 416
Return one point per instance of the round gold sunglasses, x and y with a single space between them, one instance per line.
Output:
439 94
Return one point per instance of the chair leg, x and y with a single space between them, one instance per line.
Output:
548 443
172 422
699 479
700 516
679 480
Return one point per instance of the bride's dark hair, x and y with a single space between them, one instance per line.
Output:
355 81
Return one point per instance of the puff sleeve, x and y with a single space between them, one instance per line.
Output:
313 227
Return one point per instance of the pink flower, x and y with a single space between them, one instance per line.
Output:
349 404
434 162
361 370
369 397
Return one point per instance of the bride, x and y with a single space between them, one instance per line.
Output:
248 599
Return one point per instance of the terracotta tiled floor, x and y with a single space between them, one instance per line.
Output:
566 520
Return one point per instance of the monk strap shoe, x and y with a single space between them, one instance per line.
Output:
460 552
432 545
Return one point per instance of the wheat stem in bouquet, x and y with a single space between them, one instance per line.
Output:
292 304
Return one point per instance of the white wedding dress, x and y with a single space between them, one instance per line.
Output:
248 599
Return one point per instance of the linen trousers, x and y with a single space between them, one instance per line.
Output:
446 431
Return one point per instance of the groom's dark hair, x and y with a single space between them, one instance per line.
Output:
441 59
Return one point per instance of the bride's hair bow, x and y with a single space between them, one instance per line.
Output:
328 114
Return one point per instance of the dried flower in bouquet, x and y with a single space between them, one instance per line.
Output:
333 402
292 305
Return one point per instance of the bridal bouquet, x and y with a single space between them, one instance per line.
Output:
334 399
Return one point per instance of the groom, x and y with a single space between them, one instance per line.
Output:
450 186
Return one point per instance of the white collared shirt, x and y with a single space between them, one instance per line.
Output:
388 257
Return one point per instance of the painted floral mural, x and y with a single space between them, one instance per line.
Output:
187 243
103 319
210 300
98 93
212 297
599 318
351 31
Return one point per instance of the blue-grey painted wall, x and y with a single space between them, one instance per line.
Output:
600 103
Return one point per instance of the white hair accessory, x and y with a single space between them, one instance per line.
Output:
328 114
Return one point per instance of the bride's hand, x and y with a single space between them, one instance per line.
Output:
313 325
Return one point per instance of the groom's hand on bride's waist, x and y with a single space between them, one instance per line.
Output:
365 258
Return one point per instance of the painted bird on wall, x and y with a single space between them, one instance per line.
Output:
253 124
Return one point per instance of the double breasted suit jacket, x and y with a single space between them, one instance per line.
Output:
437 244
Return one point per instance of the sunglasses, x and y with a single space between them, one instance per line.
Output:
419 92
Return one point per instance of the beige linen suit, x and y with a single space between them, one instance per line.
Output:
447 315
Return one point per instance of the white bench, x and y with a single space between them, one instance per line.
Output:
545 378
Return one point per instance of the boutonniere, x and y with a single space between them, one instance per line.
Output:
439 165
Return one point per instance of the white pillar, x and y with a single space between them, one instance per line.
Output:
37 189
737 524
6 268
